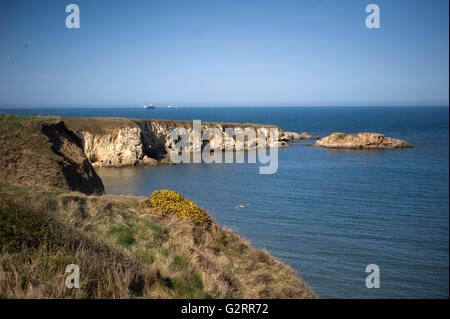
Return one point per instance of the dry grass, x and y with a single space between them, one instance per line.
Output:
106 125
37 151
25 152
37 246
139 254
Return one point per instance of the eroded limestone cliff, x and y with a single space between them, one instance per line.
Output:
126 142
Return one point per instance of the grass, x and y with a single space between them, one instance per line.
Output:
341 136
37 246
123 233
125 250
40 152
99 125
24 124
26 153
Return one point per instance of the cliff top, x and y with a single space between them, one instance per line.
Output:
104 125
41 151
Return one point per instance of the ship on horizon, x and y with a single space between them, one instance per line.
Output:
149 106
175 107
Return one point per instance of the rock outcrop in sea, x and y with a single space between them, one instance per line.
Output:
288 136
361 141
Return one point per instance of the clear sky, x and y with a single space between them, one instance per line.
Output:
224 53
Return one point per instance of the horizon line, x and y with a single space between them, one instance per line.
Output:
213 106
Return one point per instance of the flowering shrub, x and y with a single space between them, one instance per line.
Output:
167 202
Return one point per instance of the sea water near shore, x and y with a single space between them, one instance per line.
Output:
327 213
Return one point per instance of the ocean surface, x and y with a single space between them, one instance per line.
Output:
326 213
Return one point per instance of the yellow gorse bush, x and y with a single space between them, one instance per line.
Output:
167 202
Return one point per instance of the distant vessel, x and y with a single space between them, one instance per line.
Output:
149 106
175 107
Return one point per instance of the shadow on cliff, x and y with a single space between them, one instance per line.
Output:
76 168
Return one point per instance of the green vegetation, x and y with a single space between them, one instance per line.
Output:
124 234
24 124
341 136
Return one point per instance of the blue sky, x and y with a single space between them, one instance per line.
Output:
224 53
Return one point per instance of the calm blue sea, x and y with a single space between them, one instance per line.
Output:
327 213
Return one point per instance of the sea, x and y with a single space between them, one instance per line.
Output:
326 213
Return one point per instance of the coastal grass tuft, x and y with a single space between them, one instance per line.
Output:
36 247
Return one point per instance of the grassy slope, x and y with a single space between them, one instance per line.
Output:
124 250
25 152
37 151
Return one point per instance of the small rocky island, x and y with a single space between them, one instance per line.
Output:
361 141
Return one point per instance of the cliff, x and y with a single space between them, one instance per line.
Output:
124 246
61 152
361 141
41 151
126 142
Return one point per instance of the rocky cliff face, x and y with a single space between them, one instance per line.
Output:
125 142
361 141
123 146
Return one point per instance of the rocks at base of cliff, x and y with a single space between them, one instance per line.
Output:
145 161
287 137
166 161
148 161
361 141
294 136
